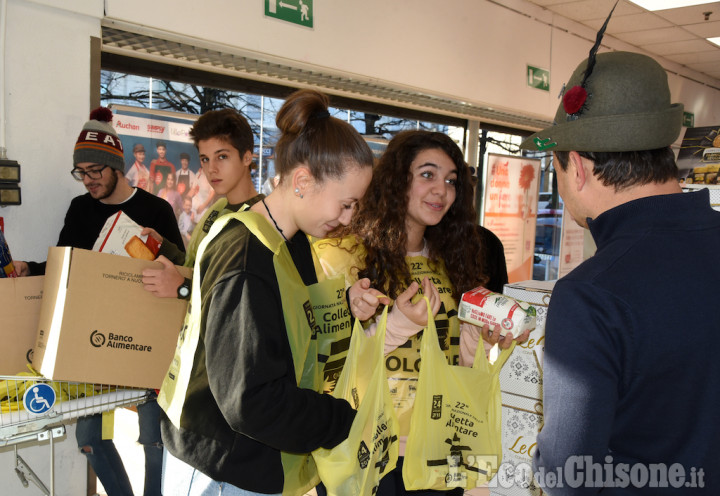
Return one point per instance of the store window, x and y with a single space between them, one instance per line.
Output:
549 206
549 222
188 100
192 99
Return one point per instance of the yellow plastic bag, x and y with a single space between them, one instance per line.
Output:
13 390
355 466
300 473
455 437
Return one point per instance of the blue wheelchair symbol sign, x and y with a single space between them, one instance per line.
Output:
39 398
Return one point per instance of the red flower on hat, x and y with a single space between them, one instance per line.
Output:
574 99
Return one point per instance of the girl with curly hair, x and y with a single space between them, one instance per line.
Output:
415 231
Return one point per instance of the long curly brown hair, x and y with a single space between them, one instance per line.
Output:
379 222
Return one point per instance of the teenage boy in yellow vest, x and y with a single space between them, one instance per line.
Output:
224 141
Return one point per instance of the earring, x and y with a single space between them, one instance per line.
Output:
297 192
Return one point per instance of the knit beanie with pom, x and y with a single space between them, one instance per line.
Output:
98 142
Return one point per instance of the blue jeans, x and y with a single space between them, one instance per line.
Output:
181 479
105 459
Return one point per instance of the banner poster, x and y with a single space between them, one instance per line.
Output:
161 158
572 244
510 209
698 160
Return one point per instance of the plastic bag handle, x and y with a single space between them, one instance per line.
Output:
431 345
382 324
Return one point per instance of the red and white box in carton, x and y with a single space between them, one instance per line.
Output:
481 306
522 419
118 237
522 373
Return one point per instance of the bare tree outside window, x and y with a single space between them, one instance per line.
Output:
144 92
149 93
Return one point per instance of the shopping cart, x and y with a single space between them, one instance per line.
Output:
34 409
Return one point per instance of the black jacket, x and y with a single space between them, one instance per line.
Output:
86 217
243 405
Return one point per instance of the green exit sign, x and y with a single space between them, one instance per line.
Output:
538 78
688 119
295 11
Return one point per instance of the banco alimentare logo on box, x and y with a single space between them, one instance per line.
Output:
119 341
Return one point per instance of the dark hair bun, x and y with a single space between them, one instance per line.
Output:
299 108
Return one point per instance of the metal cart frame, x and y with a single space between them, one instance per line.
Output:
19 425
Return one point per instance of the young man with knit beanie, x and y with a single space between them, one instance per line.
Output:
631 386
98 163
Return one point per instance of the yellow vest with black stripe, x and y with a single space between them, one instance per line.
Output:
403 363
320 305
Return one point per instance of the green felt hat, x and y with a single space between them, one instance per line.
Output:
623 105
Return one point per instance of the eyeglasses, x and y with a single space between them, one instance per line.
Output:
80 174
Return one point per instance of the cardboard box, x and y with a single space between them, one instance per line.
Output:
99 325
522 373
522 420
21 299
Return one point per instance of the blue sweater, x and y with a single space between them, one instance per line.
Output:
631 367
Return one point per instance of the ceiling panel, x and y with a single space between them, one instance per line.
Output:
689 46
695 57
708 29
584 10
678 35
690 15
650 36
712 66
545 3
630 23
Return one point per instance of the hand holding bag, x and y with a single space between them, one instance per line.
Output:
355 466
455 428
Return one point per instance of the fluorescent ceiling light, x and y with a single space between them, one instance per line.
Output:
715 40
668 4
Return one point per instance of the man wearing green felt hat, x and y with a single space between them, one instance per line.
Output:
631 382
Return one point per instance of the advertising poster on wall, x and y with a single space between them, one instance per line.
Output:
160 158
572 244
510 209
698 160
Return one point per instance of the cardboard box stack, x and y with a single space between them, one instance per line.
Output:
521 389
99 325
21 299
